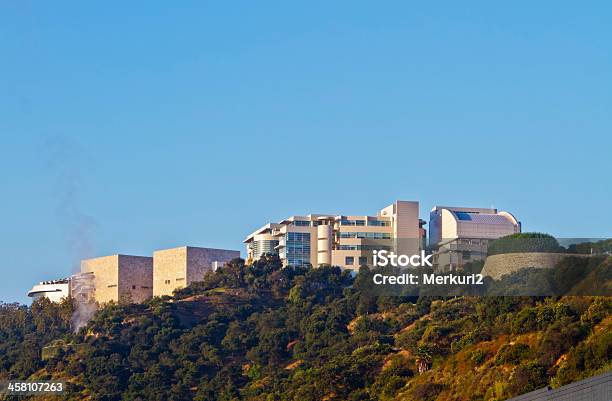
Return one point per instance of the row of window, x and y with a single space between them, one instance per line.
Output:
169 281
297 244
379 223
297 248
305 223
298 236
357 234
375 223
263 247
350 260
363 248
344 222
133 287
298 261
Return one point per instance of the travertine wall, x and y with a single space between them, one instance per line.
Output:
200 261
178 267
405 223
121 277
106 277
169 270
135 278
498 265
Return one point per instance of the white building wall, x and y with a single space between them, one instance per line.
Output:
54 292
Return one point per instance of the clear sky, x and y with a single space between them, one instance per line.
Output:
129 127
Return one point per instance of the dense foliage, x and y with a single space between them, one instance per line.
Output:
525 242
261 332
597 247
24 331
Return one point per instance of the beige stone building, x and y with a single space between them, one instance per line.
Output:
459 235
178 267
340 240
123 278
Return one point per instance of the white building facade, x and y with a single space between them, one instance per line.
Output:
340 240
459 235
54 290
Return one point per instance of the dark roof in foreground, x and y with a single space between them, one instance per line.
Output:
596 388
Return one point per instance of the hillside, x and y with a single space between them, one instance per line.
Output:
264 333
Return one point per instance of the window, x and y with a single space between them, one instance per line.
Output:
378 223
358 234
363 260
464 216
111 285
263 247
166 281
180 279
349 260
301 223
345 222
297 248
133 287
344 247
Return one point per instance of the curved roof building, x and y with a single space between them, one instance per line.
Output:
55 290
460 234
447 223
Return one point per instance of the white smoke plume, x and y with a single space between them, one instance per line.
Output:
84 305
65 162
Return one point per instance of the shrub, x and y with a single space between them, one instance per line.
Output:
512 354
479 356
528 377
586 358
603 246
427 391
525 321
558 339
597 311
473 337
524 242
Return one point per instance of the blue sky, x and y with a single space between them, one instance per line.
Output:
126 128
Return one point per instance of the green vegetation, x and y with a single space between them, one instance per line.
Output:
598 247
261 332
525 242
23 333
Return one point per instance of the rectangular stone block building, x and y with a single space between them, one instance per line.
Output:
178 267
123 278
